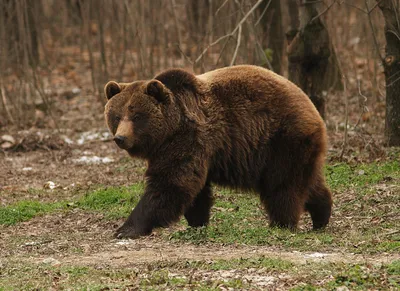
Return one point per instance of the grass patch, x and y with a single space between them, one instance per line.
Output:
394 268
115 202
363 277
342 177
25 210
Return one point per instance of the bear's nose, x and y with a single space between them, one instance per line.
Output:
120 140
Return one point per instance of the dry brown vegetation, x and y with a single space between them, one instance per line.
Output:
59 54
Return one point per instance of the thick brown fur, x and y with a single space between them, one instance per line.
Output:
243 127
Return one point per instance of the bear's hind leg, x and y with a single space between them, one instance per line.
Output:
284 207
319 204
198 213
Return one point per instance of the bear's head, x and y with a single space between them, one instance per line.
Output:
141 115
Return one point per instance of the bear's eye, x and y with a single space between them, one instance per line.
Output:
117 119
137 116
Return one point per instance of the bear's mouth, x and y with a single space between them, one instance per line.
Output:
134 151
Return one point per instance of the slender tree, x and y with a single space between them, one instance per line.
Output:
273 35
312 60
391 63
291 32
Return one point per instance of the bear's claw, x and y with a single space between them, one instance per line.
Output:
123 232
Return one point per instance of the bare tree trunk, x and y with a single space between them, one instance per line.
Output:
391 64
294 23
273 37
309 53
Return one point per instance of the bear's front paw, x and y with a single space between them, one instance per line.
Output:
128 231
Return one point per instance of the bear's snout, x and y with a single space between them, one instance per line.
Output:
120 141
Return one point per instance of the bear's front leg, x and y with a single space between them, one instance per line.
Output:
161 205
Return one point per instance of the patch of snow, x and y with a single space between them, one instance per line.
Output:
90 136
93 160
27 169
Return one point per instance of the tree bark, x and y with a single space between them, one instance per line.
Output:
391 63
273 32
294 23
312 60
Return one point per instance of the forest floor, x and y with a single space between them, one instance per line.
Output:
65 187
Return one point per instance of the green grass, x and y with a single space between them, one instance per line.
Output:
114 202
25 210
394 268
342 177
182 276
363 277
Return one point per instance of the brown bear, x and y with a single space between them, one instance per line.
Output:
242 126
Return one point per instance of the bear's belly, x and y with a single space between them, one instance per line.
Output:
243 174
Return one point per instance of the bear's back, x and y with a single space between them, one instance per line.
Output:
250 91
255 84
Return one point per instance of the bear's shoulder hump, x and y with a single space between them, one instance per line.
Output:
178 79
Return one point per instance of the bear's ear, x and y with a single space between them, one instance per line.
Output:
112 88
157 90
